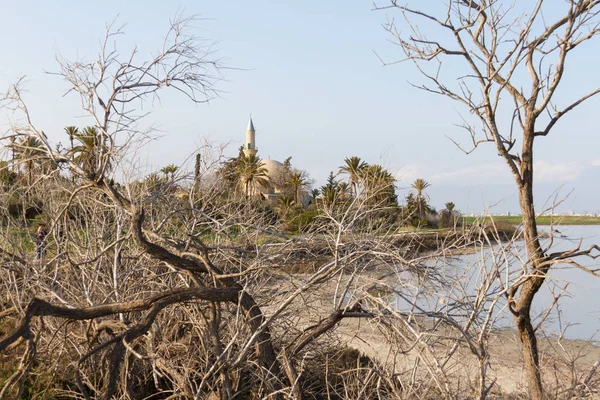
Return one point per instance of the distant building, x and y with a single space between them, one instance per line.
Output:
275 169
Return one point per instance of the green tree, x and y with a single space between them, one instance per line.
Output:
448 216
314 193
7 177
71 131
285 205
169 171
153 182
297 182
229 170
421 199
344 190
354 167
252 174
28 152
329 191
380 185
91 152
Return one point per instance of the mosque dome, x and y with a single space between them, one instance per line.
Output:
273 167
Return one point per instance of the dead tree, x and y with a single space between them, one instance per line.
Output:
510 61
132 279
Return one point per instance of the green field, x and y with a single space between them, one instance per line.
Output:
542 220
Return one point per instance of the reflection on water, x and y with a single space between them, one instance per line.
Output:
578 310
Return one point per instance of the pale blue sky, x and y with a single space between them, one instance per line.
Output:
307 72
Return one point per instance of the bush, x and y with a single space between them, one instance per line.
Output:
303 222
419 222
448 219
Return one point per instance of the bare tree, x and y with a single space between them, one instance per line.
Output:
510 62
190 291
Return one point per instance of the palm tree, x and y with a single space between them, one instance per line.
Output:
379 184
448 216
314 193
91 152
170 171
297 181
354 167
421 199
71 131
344 189
328 195
229 170
252 173
28 151
284 205
153 182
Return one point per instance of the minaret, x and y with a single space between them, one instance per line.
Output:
250 146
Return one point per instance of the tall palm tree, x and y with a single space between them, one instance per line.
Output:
170 171
252 173
353 166
297 181
421 198
420 185
71 131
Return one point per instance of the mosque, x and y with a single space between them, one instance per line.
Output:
275 169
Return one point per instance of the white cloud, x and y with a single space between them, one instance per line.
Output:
444 174
549 171
491 173
480 173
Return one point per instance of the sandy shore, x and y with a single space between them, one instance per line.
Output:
563 361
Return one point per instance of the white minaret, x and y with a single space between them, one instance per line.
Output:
250 145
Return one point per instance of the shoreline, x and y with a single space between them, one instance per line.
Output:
542 220
561 358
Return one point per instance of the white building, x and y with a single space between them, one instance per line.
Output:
275 169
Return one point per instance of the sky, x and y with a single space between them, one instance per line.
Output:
309 74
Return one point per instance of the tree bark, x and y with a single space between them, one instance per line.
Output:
522 308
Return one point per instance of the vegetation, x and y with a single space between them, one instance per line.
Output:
227 281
